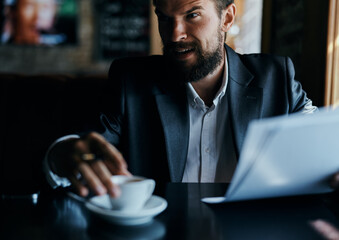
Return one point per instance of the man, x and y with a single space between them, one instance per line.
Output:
27 19
180 117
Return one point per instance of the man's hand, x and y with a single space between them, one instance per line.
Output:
335 181
88 162
325 229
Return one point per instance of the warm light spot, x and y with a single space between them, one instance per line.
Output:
330 48
336 104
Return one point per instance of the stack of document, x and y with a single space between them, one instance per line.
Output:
285 156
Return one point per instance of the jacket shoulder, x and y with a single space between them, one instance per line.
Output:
262 59
268 67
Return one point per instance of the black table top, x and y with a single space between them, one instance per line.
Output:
57 216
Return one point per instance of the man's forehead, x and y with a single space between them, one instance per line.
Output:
179 6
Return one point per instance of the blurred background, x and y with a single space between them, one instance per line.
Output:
84 36
55 55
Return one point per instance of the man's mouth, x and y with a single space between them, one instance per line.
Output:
182 53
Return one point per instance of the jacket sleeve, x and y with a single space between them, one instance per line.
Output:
298 99
113 104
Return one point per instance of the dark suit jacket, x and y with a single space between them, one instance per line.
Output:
145 112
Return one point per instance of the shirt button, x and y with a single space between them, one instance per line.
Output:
208 114
207 150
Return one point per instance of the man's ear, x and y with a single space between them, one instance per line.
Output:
228 17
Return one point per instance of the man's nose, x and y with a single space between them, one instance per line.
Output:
178 31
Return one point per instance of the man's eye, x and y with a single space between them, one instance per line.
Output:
193 15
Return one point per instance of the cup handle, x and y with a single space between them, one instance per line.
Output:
151 186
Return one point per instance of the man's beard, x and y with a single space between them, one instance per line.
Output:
206 62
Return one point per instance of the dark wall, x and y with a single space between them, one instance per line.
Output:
35 111
298 29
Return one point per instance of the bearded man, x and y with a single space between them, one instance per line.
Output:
180 117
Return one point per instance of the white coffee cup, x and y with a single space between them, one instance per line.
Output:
135 191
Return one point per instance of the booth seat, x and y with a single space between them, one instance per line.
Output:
36 110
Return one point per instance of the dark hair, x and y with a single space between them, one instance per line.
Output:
219 4
222 4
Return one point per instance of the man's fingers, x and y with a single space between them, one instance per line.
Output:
335 181
81 147
92 179
110 153
325 229
116 170
96 160
105 176
78 186
98 179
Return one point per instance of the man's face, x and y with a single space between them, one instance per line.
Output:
33 16
192 36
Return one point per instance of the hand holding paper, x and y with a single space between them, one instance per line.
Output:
283 156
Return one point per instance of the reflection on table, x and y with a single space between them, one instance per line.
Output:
57 216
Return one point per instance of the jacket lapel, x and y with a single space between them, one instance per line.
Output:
173 111
245 100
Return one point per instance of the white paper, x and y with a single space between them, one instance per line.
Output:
285 156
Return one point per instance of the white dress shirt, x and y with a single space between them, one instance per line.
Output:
211 153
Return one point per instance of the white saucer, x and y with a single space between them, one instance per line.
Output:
101 206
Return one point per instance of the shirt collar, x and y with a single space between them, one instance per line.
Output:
195 99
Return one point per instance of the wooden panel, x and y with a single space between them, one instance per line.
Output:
155 40
332 69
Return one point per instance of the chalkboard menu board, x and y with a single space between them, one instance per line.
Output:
122 28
